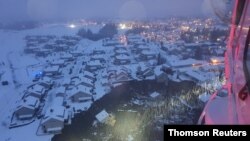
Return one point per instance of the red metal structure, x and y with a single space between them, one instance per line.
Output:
231 104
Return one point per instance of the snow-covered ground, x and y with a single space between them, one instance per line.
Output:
19 69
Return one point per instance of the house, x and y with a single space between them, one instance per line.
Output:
82 81
144 71
80 94
59 62
27 108
147 55
102 116
141 48
54 119
52 70
46 82
94 65
197 76
76 53
37 91
121 51
176 63
99 57
161 76
98 51
155 95
60 91
122 59
67 57
86 82
122 78
66 82
89 75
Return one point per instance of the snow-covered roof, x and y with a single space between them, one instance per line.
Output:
87 73
154 94
122 57
29 102
46 80
87 81
148 52
98 56
102 116
186 62
143 47
66 56
52 68
54 112
37 89
57 62
80 88
60 89
94 63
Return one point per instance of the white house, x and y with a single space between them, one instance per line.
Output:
54 119
59 62
89 75
122 59
102 116
27 108
60 91
94 65
37 91
80 94
52 70
46 82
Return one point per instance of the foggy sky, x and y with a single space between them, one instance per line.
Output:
39 10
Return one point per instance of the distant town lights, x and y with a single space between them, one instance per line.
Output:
122 26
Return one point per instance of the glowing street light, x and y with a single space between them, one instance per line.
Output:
214 61
72 26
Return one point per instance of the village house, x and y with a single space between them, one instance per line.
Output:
36 90
54 119
106 118
67 57
89 75
155 96
52 70
46 82
141 48
98 51
94 65
76 53
59 62
122 59
99 57
27 108
80 93
160 75
60 91
121 50
61 47
144 71
147 55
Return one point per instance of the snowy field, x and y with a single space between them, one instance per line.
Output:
15 67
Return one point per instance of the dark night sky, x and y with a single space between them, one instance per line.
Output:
21 10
